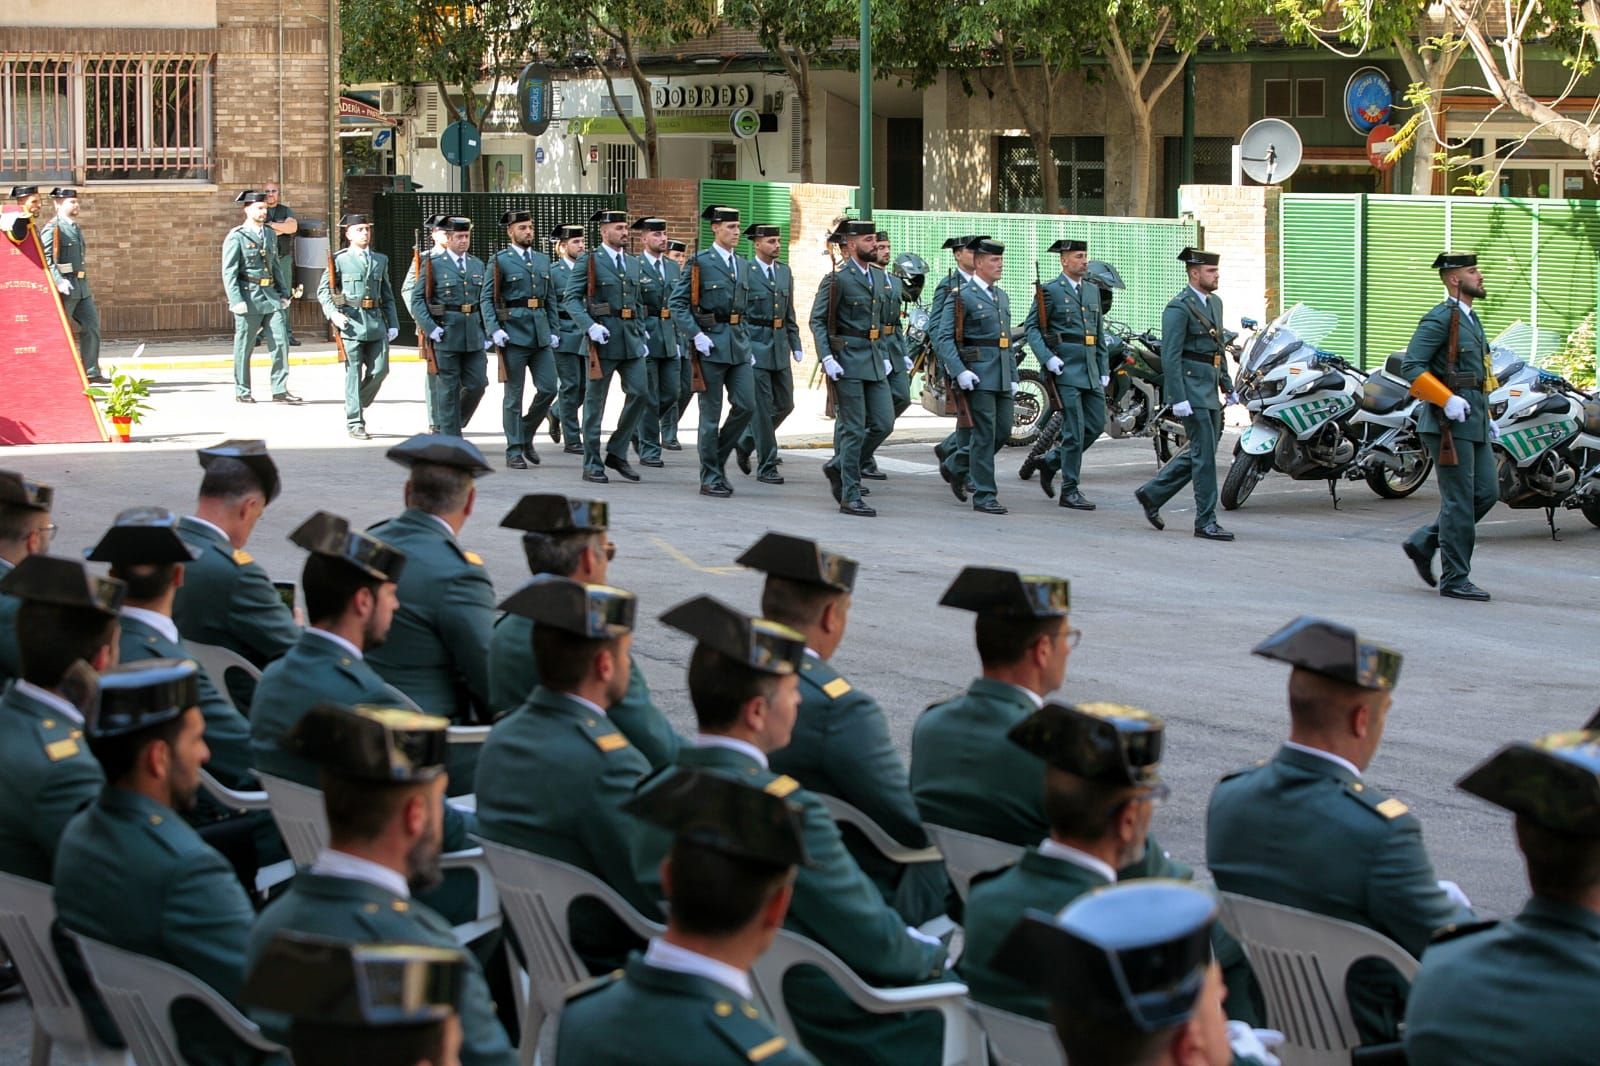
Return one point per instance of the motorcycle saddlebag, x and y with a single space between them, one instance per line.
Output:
1382 394
935 399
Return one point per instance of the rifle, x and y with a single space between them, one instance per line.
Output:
958 395
833 328
1447 440
1052 391
337 296
424 342
499 311
697 376
597 308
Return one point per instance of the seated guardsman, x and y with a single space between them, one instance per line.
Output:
555 772
1271 823
66 633
25 529
841 745
373 1004
688 1001
965 773
744 682
1523 990
568 537
227 599
132 873
383 785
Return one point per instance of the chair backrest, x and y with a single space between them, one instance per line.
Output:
1300 960
216 661
966 854
27 912
1017 1040
887 846
139 992
233 799
298 812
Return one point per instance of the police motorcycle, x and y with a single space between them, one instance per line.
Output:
1389 456
1546 441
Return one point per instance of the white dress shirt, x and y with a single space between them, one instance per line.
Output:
665 956
334 638
1337 760
155 620
342 864
1054 849
713 740
59 704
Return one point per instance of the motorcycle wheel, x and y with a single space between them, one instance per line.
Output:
1591 511
1243 477
1397 485
1044 441
1028 410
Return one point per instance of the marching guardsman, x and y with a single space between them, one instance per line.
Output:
571 345
711 305
62 239
657 276
359 302
1194 380
961 252
258 291
520 318
438 229
894 346
21 212
678 253
972 338
688 1001
774 342
1448 365
847 328
25 529
1070 344
602 297
454 322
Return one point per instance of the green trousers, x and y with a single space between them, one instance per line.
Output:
367 364
863 415
1196 462
1467 491
972 458
459 386
1083 419
661 376
774 403
900 394
635 398
245 328
675 417
80 309
715 445
572 372
520 426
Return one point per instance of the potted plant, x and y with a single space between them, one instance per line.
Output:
123 401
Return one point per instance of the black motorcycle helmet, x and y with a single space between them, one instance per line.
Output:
1105 275
911 269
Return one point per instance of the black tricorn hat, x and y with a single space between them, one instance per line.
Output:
649 224
717 213
21 192
331 982
252 453
370 743
250 196
1553 782
1197 257
1068 244
677 246
799 559
1008 594
606 216
759 643
1104 742
19 491
724 815
63 583
761 229
1454 260
986 246
567 232
456 224
551 512
64 193
142 536
329 535
515 215
138 696
599 612
1334 651
856 227
441 449
956 244
347 221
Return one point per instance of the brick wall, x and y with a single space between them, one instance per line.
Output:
675 199
812 209
1240 222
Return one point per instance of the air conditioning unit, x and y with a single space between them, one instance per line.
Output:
431 113
396 101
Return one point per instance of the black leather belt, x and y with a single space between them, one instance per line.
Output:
1204 357
730 318
439 309
860 335
534 303
1463 381
986 342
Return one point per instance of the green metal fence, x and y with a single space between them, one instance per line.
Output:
757 201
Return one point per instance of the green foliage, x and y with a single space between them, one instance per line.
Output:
125 397
1575 360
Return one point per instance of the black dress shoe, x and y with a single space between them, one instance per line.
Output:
98 378
1422 561
858 509
1152 513
939 453
672 446
742 457
286 397
835 481
572 447
516 462
359 433
1213 532
1076 501
874 475
555 430
1465 591
294 342
652 463
598 479
989 507
1047 480
246 398
1025 472
621 466
721 492
864 490
770 479
957 485
434 430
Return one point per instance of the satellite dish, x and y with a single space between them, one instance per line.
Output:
1269 151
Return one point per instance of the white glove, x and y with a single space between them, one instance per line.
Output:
487 345
1458 897
921 937
1054 364
1233 397
1494 431
599 334
888 367
283 304
752 359
1014 386
1104 381
339 319
65 286
1456 409
437 335
798 356
967 380
644 350
1182 409
909 363
393 333
555 341
1254 1044
239 308
501 337
703 344
831 367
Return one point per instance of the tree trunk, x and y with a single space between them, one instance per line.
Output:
1038 124
1431 72
1140 107
798 66
641 86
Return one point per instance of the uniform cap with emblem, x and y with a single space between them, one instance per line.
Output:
141 695
441 449
457 224
1109 743
1553 782
1132 955
19 491
1008 593
252 453
64 193
799 559
605 217
855 227
550 512
337 983
142 536
677 246
723 815
1068 244
567 232
718 213
22 192
956 244
371 743
1196 257
649 225
759 643
515 215
986 246
1334 651
1454 260
354 220
331 536
599 612
250 196
64 583
757 230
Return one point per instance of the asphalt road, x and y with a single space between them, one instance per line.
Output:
1168 620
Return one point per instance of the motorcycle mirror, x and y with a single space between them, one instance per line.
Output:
1248 323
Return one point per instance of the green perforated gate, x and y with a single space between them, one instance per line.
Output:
757 201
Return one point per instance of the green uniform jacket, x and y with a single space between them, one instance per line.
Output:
521 282
986 321
722 295
453 290
620 291
841 747
252 273
365 913
1270 824
666 1018
857 313
552 780
71 264
941 293
1186 326
437 651
227 599
655 286
893 314
1073 319
49 777
1429 350
316 670
514 674
774 334
836 905
572 338
133 874
10 659
1523 990
966 775
360 279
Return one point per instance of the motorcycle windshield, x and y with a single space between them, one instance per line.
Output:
1302 326
1522 343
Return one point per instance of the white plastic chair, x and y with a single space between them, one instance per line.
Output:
1300 960
1017 1040
467 734
27 912
139 992
536 893
267 877
963 1041
216 661
890 848
966 854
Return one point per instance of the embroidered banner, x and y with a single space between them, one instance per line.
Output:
41 381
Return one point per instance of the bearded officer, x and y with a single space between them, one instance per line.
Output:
454 322
359 303
657 276
961 252
774 343
258 288
571 363
517 312
894 346
979 362
25 529
64 255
